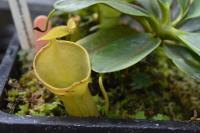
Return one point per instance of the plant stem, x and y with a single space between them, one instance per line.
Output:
104 93
165 8
177 20
180 17
169 32
155 24
145 24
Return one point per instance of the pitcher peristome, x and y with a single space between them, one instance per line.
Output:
64 67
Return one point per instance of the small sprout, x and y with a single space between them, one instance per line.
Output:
23 109
140 115
161 117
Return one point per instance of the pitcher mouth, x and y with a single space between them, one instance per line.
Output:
61 90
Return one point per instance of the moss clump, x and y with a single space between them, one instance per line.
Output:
28 97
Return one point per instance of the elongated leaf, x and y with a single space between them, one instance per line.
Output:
192 40
194 10
151 5
184 59
120 53
192 25
122 6
175 10
183 5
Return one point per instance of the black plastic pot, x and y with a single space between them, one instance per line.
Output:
28 124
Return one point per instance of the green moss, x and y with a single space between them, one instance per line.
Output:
152 89
28 97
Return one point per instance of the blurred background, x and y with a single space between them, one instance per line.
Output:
37 7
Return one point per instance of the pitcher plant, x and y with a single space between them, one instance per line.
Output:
64 68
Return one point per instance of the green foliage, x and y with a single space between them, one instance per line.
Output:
191 25
184 4
151 5
184 59
122 6
152 88
110 52
192 41
113 56
194 11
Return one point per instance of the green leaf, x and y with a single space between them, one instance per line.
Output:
179 13
175 10
192 40
194 10
151 5
100 39
122 6
183 5
114 54
184 59
192 25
